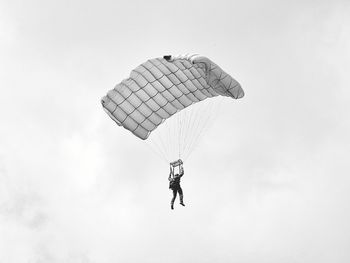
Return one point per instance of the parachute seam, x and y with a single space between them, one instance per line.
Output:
150 97
189 79
189 91
236 86
168 89
201 90
165 89
144 102
157 91
137 108
160 93
173 85
222 83
220 79
128 115
120 94
114 104
204 89
184 85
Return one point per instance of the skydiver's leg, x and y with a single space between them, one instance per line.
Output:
181 196
174 197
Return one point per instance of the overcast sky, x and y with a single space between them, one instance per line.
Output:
269 181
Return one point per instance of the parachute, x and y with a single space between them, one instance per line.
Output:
162 87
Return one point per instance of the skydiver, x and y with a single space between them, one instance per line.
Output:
174 184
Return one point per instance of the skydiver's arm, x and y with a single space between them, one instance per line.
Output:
182 172
170 174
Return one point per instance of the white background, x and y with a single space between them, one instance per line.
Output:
269 182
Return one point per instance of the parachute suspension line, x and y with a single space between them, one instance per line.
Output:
189 128
184 133
167 136
172 136
163 145
181 143
179 132
212 112
156 149
203 125
169 130
188 132
206 112
161 138
196 126
190 116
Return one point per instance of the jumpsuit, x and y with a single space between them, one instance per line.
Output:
175 186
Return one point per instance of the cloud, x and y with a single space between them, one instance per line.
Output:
268 182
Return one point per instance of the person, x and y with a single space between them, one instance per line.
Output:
174 184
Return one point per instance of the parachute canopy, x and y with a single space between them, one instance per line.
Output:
161 87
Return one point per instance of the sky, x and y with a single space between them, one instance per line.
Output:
268 182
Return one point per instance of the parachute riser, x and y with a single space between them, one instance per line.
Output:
176 163
173 165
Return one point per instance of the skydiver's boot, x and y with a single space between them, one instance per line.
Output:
182 200
172 206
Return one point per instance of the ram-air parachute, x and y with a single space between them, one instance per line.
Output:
162 87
